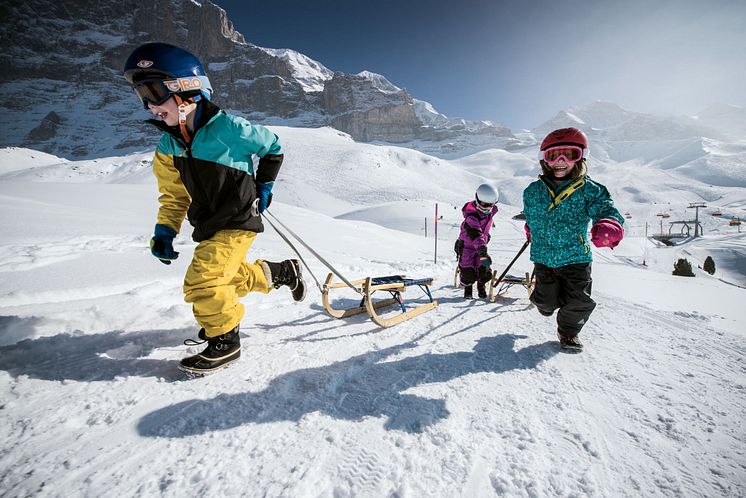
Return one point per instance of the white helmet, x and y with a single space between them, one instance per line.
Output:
486 195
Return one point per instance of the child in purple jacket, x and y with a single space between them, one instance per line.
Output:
471 246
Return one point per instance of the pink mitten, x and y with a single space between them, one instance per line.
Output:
606 233
528 231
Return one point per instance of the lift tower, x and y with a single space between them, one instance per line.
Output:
696 206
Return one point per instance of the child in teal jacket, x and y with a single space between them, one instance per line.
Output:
558 208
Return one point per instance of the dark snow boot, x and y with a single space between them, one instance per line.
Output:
286 273
221 351
468 291
571 343
481 290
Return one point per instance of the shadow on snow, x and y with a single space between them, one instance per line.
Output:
362 386
95 357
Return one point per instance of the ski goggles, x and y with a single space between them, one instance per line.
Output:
570 153
156 91
484 207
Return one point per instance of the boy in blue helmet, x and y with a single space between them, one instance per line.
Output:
203 164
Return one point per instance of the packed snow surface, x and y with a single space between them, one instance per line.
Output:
472 399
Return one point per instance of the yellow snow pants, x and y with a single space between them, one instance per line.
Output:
218 275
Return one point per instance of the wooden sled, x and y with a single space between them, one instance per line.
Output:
498 289
394 285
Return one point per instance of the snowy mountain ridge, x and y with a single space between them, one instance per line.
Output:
609 121
309 73
95 114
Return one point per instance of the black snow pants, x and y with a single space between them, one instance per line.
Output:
567 288
482 274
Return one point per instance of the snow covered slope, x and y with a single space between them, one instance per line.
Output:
471 399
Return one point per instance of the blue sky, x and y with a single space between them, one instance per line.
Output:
520 62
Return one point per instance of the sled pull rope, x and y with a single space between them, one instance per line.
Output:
284 237
525 245
318 256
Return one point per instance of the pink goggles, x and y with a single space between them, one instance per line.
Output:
570 153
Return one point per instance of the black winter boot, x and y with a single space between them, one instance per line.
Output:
481 290
570 342
220 352
286 273
468 291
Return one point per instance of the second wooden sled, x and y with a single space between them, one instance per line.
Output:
499 288
394 285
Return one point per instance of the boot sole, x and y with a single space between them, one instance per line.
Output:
206 371
301 282
219 363
570 347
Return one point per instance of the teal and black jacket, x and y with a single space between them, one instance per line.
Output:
558 217
211 180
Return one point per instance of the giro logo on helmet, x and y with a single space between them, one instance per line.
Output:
144 64
183 84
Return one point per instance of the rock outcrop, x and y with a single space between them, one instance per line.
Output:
65 95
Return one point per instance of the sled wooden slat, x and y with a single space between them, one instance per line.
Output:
399 287
343 313
498 289
338 285
395 285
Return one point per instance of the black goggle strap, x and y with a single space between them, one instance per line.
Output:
567 192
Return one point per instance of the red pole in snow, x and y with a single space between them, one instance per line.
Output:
436 233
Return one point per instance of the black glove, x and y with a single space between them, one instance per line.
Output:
472 232
458 247
482 251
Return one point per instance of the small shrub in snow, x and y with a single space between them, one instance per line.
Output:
709 265
683 268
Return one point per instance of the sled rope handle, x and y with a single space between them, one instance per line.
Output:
497 280
318 256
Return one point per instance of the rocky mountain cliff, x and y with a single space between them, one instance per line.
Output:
64 92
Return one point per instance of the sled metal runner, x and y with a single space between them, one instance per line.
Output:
395 285
498 288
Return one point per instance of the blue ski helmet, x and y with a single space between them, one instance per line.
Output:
158 70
